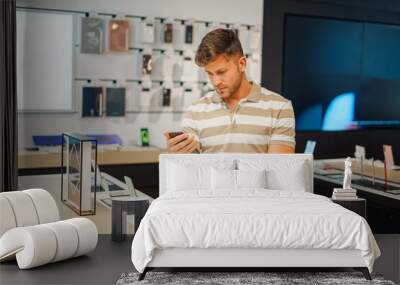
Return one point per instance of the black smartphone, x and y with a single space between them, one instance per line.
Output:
174 134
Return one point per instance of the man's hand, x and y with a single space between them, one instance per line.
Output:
183 143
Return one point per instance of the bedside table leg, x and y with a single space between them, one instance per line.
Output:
139 212
116 221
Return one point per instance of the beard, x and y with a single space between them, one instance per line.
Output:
226 91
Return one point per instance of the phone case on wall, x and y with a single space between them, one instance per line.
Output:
92 35
168 33
189 69
115 101
255 40
166 97
189 34
147 64
167 66
92 101
199 31
118 35
147 32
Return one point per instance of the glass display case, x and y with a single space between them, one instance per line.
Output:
79 177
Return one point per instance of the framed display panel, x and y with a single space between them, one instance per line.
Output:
118 35
45 61
92 97
92 35
79 183
115 101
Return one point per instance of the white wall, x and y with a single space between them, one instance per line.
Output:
249 12
231 11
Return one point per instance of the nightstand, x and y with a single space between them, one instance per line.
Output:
123 206
357 205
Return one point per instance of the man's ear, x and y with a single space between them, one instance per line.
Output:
242 64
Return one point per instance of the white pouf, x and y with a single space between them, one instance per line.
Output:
46 207
41 244
87 234
66 237
7 216
22 207
33 246
31 233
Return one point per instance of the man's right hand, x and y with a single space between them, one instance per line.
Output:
183 143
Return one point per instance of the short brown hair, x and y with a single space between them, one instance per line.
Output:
217 42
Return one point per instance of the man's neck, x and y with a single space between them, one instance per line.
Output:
242 92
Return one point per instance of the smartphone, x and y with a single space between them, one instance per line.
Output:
174 134
144 136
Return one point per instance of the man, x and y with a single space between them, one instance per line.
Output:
239 116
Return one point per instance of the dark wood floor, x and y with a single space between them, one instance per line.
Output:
102 266
110 259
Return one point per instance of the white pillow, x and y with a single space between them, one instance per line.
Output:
251 178
292 177
281 174
187 177
228 179
223 179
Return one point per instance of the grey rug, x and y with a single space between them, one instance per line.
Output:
228 278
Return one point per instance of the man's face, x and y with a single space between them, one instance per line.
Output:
226 74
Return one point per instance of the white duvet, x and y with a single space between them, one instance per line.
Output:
250 219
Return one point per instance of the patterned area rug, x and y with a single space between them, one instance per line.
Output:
229 278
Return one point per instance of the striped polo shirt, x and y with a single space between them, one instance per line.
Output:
261 119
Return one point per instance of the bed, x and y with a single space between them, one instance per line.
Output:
247 210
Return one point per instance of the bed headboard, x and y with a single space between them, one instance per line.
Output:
212 159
